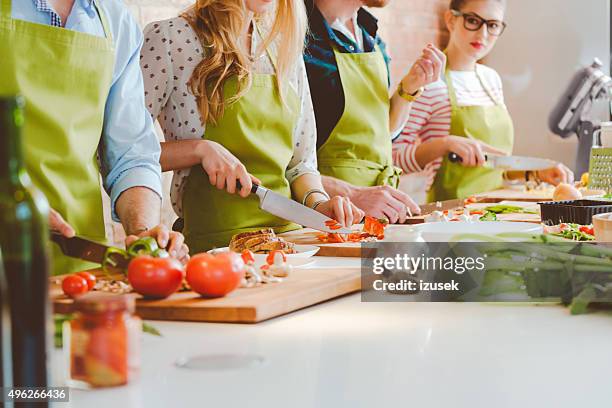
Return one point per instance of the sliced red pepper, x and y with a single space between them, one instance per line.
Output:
272 255
335 227
587 230
335 238
248 257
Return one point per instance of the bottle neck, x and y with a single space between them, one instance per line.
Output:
11 158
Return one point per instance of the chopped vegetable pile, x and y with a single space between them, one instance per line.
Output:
575 232
547 266
373 229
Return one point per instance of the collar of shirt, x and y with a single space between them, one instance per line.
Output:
56 20
357 37
322 30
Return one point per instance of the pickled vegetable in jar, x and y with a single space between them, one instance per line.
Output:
102 341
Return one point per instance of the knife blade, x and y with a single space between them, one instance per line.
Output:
85 249
290 210
427 209
522 163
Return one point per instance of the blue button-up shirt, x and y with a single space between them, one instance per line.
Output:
131 150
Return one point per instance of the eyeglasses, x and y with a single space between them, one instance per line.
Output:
473 22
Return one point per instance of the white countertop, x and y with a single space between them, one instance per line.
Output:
353 354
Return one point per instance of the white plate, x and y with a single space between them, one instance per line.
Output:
302 257
445 231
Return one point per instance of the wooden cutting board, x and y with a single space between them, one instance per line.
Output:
303 288
308 236
515 195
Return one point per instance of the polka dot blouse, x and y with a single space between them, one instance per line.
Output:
170 53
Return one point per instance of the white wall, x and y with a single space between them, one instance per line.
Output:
545 43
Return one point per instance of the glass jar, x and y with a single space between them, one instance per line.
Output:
102 342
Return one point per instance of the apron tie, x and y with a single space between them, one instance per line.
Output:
389 175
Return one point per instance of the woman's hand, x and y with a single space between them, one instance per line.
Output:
556 175
426 70
224 169
471 151
385 202
342 210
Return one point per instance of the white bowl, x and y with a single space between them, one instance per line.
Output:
301 258
445 231
602 224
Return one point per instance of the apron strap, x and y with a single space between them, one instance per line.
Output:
105 26
485 87
5 8
451 88
270 55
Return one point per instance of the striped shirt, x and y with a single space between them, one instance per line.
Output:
430 116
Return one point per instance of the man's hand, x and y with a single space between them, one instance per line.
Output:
171 241
385 202
59 225
557 175
426 70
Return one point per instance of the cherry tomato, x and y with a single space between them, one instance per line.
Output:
248 257
74 285
272 255
155 278
89 277
215 275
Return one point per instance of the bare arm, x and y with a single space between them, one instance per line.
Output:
139 209
427 69
181 154
339 207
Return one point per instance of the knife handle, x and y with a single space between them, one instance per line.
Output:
254 187
455 158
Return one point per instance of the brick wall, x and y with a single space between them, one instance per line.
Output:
406 25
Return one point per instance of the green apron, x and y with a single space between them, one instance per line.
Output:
359 149
258 130
490 124
65 77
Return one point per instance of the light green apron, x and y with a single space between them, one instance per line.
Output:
359 149
490 124
65 77
258 130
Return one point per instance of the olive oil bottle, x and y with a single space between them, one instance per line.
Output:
24 237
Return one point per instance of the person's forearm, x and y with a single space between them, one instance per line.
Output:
431 150
399 113
181 154
139 209
303 184
336 187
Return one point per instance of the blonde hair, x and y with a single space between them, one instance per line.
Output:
219 25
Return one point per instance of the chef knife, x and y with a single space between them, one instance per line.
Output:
82 248
522 163
442 206
290 210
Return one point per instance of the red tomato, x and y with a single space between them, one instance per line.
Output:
155 278
74 285
89 277
215 275
248 257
